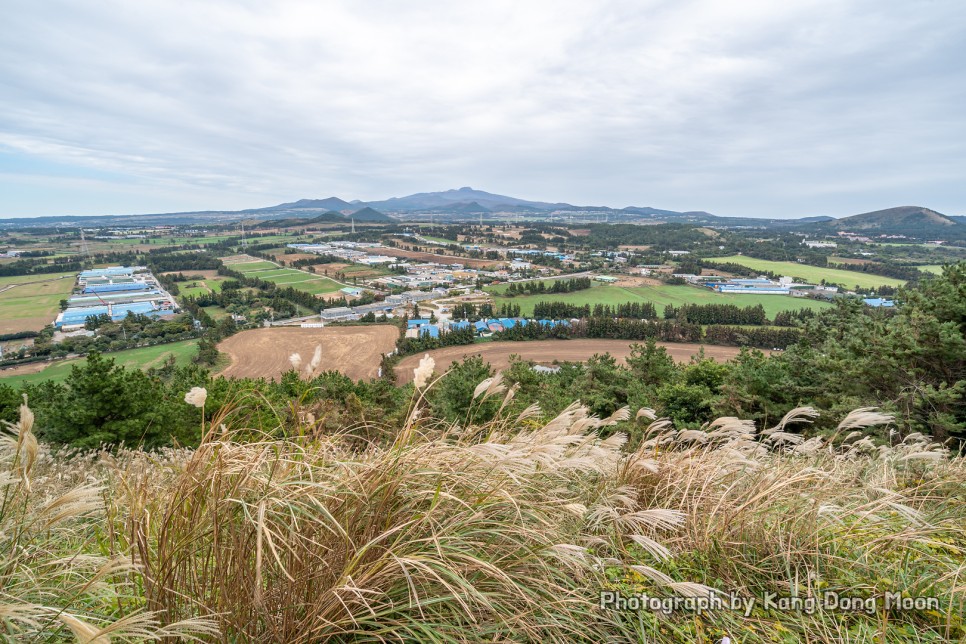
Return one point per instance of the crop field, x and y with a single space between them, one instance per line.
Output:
30 302
660 296
300 280
547 352
813 274
355 351
142 358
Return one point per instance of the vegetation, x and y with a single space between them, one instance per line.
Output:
659 296
496 526
813 274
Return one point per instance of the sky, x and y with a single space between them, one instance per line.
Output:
753 108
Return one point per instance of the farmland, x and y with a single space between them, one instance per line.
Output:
546 352
299 280
32 301
660 296
264 353
142 358
814 274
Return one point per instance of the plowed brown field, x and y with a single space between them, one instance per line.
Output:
353 350
547 351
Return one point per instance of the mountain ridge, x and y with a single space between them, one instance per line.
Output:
467 203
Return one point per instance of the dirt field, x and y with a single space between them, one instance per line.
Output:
353 350
634 282
547 351
22 370
291 257
439 259
335 267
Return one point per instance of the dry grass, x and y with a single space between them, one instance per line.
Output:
503 531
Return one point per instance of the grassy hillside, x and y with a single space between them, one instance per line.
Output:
660 296
814 274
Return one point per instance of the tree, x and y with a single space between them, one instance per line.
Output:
101 403
452 397
207 352
651 364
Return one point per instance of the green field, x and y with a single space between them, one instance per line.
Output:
814 274
216 312
300 280
935 269
34 303
247 267
142 358
660 296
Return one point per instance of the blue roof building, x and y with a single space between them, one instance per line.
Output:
432 331
879 302
116 288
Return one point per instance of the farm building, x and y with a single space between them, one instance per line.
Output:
754 286
76 316
116 291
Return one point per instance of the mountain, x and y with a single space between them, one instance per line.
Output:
330 203
466 195
371 215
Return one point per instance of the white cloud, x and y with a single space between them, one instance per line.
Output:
788 108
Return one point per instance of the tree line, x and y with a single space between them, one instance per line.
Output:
540 287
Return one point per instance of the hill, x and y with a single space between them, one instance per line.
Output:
371 215
912 221
329 203
290 222
327 217
471 208
905 216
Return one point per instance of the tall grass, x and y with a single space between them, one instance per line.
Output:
59 575
499 531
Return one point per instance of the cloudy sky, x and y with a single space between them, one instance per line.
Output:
756 107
